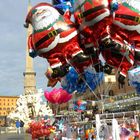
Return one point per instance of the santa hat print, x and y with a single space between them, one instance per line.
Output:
32 11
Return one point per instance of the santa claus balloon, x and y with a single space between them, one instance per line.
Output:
55 38
96 19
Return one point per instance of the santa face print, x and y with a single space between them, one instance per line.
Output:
44 16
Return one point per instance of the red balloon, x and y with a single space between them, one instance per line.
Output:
57 96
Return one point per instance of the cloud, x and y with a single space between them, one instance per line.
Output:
13 46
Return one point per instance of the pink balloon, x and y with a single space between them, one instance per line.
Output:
48 97
57 96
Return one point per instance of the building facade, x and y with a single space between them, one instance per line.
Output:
7 105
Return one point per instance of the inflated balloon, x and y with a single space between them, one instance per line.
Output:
110 36
128 28
125 35
39 129
80 105
54 38
70 82
134 78
90 79
81 102
64 5
57 96
94 15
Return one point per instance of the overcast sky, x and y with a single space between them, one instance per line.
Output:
13 45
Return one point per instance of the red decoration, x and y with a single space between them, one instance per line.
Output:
39 129
57 96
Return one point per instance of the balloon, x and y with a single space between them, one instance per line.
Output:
64 5
116 36
57 96
80 105
134 78
57 45
72 83
81 102
124 131
39 129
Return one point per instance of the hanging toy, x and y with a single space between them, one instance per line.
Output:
126 27
97 26
54 38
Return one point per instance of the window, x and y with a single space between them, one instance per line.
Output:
111 93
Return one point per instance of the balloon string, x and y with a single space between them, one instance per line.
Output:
96 79
109 86
90 88
103 87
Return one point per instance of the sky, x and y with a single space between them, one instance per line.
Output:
13 49
13 46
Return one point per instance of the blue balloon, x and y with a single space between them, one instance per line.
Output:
114 6
61 1
65 5
82 107
136 85
90 79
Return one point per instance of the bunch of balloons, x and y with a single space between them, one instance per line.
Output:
39 129
100 27
75 82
